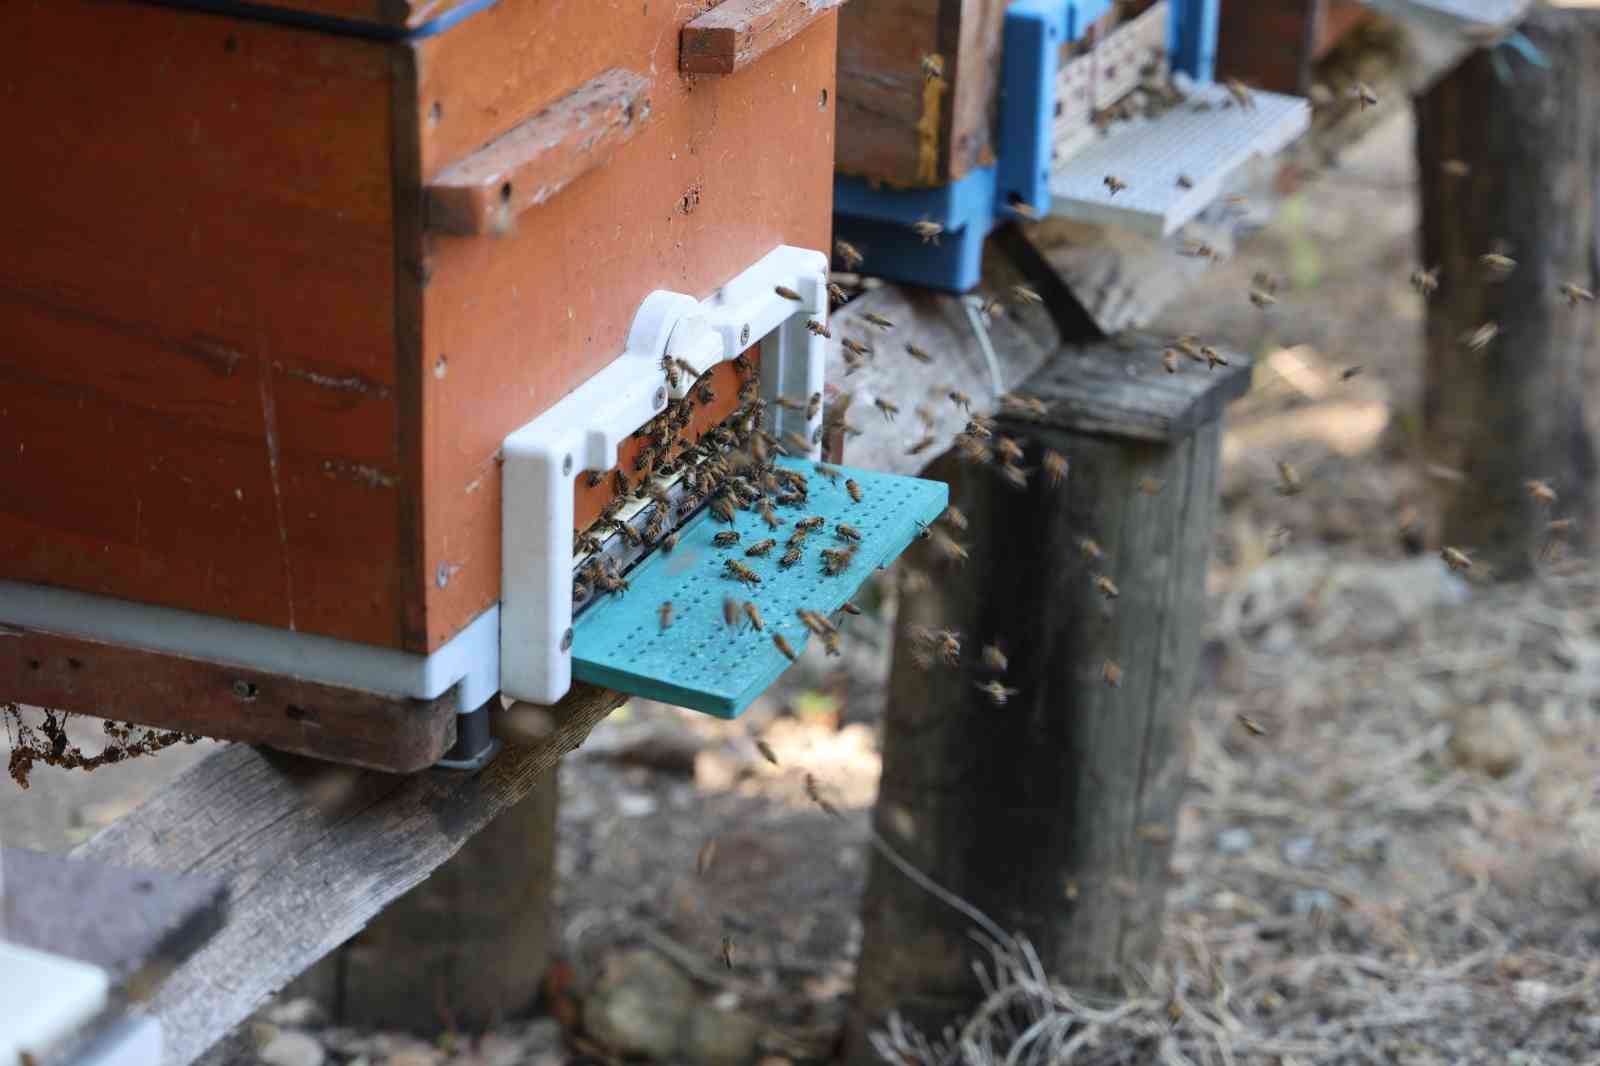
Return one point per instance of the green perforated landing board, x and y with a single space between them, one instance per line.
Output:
701 662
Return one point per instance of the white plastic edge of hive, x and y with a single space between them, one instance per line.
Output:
134 1041
47 998
470 658
1453 16
584 430
1290 118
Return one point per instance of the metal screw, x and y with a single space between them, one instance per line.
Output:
244 690
566 640
744 335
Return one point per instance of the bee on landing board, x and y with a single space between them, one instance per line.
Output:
847 254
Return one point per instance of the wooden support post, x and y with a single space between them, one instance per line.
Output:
1054 813
1515 409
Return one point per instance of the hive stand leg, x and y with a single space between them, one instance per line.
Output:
1515 410
467 947
1053 814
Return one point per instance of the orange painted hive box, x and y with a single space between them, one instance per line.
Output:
280 279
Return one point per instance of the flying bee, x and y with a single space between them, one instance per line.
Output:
922 445
1055 467
739 572
972 449
790 405
790 557
1026 406
1089 549
756 623
787 293
1455 558
919 354
928 231
760 548
1111 674
1479 339
730 612
853 489
847 254
819 329
722 510
1455 168
947 643
889 409
829 472
960 399
1107 587
726 539
1576 294
998 693
768 515
782 644
813 405
1240 92
849 608
837 294
994 658
837 560
1349 372
932 66
1114 184
1540 491
1288 479
1426 282
855 347
1262 299
1499 265
795 443
1026 295
814 621
877 320
766 749
1008 449
1185 181
948 548
1362 92
845 532
1169 359
1251 726
814 794
956 518
664 613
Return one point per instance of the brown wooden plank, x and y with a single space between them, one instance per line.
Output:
508 326
308 873
736 33
485 192
168 691
1266 43
196 323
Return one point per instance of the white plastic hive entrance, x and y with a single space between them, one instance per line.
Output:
1173 165
584 430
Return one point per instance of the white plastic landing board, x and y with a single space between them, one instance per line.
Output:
1454 15
1202 141
45 999
1100 77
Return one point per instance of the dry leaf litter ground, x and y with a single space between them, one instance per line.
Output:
1405 868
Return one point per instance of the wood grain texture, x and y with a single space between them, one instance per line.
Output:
485 192
1524 406
309 865
509 326
154 688
198 396
736 33
1053 814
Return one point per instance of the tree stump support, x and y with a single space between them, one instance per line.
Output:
1514 410
1053 814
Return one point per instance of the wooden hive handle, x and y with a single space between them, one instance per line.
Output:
486 191
736 33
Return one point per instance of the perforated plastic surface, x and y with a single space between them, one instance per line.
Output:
1459 12
699 661
1205 144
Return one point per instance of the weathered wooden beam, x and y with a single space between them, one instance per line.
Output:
485 192
310 858
1051 809
736 33
1514 407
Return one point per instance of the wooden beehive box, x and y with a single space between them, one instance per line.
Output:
282 276
1276 44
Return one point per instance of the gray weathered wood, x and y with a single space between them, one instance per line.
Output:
1515 410
311 854
1054 814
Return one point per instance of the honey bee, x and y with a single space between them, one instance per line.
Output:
877 320
1169 359
845 532
1251 726
1455 558
726 539
669 542
928 231
664 613
671 369
1026 295
611 580
1009 450
1349 372
998 693
813 405
739 572
1114 184
1107 587
722 510
994 658
1499 265
790 557
706 855
1027 406
1576 294
1111 674
760 548
1262 299
1212 357
889 409
1288 479
932 66
849 608
1362 92
1426 282
806 525
1185 181
756 623
1479 339
855 347
919 354
847 254
960 399
727 951
766 751
837 294
1541 492
1055 467
782 644
630 536
620 483
853 489
819 329
947 644
768 515
972 449
814 621
836 561
1089 549
815 795
1240 92
730 611
1455 168
1013 475
787 293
